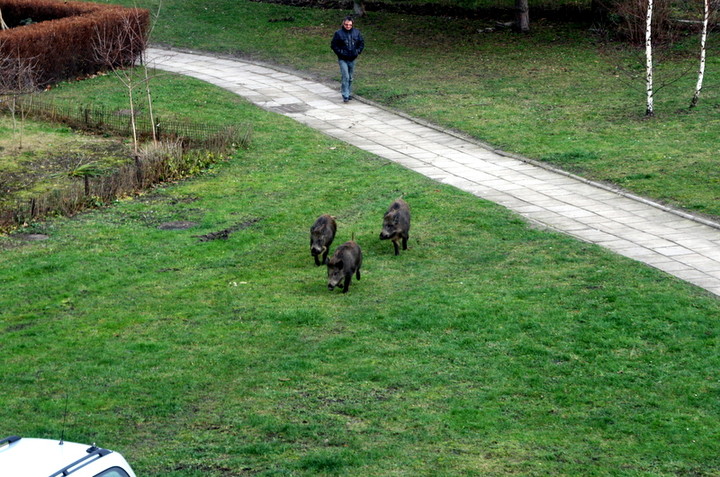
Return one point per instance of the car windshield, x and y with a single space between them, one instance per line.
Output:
114 472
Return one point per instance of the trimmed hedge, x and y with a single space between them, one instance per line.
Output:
63 43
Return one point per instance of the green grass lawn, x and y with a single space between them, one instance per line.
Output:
490 347
559 95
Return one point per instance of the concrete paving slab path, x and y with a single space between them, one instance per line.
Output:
674 241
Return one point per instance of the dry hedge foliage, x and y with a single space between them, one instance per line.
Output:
60 38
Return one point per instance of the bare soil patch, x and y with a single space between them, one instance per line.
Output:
225 233
177 225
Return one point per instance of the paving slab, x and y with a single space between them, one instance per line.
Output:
675 241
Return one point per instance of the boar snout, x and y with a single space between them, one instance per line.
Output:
334 282
318 250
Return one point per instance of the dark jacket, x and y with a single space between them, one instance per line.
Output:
347 45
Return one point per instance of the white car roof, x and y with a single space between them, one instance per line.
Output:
30 457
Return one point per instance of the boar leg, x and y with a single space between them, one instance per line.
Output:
397 248
346 285
317 262
405 239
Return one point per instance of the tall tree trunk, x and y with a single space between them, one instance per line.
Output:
522 16
151 111
649 111
701 71
359 8
143 60
133 122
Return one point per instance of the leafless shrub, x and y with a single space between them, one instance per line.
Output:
628 20
116 47
156 160
17 87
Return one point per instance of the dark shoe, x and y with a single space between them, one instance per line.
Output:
345 100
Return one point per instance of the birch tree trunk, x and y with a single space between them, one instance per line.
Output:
143 61
701 71
3 25
151 111
649 111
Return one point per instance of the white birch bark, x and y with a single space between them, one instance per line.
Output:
143 61
3 25
649 111
701 71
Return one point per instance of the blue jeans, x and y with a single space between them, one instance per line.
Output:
347 68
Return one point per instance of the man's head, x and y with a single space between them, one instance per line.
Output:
347 23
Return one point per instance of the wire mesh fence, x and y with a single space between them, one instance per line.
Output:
119 122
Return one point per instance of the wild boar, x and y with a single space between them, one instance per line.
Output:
346 260
396 224
322 234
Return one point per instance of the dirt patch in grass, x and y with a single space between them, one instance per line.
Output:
177 225
31 237
225 233
22 239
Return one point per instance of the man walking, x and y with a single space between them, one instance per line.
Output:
347 43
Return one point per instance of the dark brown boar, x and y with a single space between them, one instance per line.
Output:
346 260
322 234
396 224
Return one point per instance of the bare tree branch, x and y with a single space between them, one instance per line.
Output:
17 83
117 47
143 61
